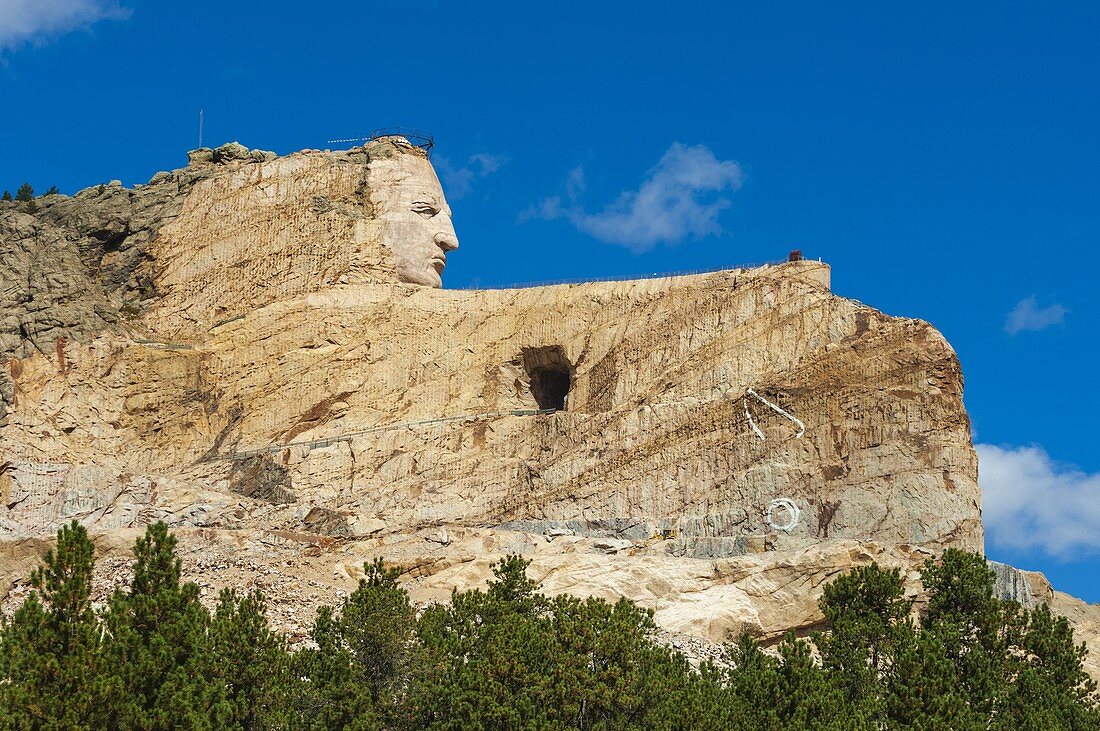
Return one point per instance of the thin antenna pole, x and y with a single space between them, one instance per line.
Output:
200 128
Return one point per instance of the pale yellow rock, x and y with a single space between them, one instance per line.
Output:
294 404
253 233
1085 620
657 435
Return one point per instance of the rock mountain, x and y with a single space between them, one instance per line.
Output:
257 350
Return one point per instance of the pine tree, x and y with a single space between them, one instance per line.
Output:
509 657
377 624
606 669
157 645
359 671
972 626
52 190
330 693
485 656
753 686
1049 688
867 615
50 653
250 660
1011 669
924 690
25 194
808 697
6 196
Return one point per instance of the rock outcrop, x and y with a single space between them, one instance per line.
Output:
790 417
255 350
74 267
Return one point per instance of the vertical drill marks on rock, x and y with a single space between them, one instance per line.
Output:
288 311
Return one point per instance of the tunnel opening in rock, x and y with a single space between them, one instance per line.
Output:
550 388
550 374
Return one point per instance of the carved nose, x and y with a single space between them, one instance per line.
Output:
446 241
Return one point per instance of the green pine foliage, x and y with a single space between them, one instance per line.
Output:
25 194
868 617
6 196
250 660
510 657
52 673
357 675
158 647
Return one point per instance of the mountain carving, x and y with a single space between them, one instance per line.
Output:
257 350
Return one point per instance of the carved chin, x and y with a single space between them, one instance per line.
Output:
425 276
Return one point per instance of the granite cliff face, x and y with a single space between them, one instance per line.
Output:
255 350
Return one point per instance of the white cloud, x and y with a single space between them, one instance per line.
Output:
574 184
485 162
32 21
1029 501
459 181
1028 315
679 199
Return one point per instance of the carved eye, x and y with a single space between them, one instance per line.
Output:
427 210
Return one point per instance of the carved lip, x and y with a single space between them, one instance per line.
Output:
439 262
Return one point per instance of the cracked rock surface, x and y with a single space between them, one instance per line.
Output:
291 421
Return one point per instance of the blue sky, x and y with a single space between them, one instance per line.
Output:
943 157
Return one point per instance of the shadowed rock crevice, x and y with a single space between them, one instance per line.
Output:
550 374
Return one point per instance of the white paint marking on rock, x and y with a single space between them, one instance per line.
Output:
752 423
778 410
792 514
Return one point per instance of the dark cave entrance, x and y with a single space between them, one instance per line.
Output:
550 387
551 375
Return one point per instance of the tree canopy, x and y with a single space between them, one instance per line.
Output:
509 657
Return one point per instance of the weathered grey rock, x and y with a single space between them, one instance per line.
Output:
231 151
1012 584
262 478
201 156
74 269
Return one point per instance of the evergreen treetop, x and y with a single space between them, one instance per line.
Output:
511 657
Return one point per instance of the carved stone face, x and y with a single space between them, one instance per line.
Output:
413 217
